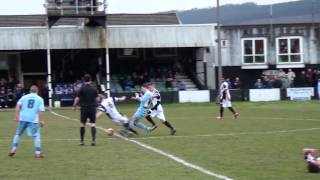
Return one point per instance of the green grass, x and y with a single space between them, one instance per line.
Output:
255 146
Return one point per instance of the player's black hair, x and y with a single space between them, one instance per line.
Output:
313 168
87 78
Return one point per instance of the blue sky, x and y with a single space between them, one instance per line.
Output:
125 6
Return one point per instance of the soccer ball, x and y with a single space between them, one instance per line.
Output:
110 131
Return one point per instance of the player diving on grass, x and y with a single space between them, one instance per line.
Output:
107 106
313 162
157 110
225 100
142 110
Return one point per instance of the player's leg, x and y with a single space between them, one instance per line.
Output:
124 121
149 117
36 135
221 112
128 127
160 115
92 117
229 105
16 140
83 120
150 120
136 118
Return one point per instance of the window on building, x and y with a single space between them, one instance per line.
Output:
289 49
254 50
128 53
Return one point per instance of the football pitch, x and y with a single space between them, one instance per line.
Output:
264 143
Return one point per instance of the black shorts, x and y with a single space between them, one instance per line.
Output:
88 113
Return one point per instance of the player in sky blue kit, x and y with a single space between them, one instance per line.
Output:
145 100
29 114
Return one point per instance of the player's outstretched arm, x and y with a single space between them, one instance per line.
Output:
122 98
136 97
310 150
98 114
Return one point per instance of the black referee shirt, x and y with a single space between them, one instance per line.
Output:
87 95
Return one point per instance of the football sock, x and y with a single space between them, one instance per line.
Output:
150 120
82 132
142 126
128 127
221 111
37 143
166 123
132 130
232 110
93 133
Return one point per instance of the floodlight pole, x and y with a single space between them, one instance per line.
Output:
219 56
49 76
107 51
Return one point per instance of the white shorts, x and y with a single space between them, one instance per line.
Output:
119 119
158 114
226 103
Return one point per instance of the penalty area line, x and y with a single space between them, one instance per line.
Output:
161 152
229 134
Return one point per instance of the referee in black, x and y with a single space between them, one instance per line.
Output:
87 97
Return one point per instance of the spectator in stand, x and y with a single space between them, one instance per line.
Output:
77 86
303 80
281 73
291 76
10 98
3 98
169 80
267 83
277 83
285 82
12 82
317 75
3 82
314 78
58 89
129 83
258 84
309 77
176 68
19 91
237 83
181 86
70 89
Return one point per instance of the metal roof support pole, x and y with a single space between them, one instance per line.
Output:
91 9
107 52
271 25
77 7
49 78
220 73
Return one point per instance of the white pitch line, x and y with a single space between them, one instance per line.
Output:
229 134
273 118
170 156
